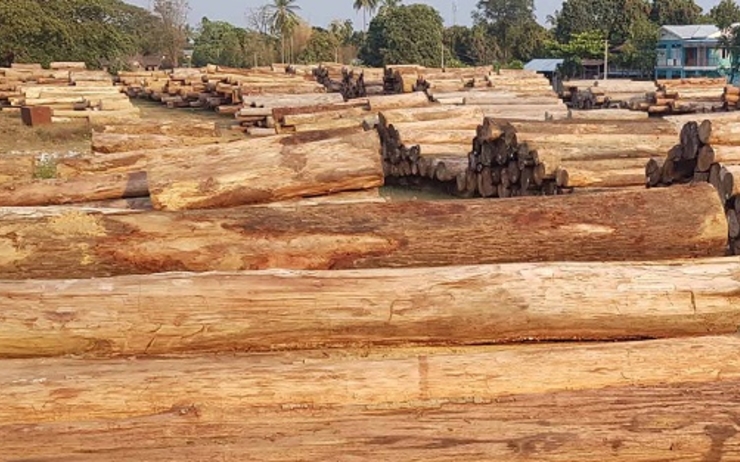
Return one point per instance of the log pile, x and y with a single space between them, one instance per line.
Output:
434 142
497 166
225 90
664 102
391 330
329 75
401 78
695 160
69 89
703 92
591 94
509 94
731 97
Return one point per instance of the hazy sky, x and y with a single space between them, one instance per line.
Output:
321 12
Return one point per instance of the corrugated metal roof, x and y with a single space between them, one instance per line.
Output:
693 32
543 65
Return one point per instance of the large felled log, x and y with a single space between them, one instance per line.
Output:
595 177
222 177
623 225
608 114
685 421
432 113
223 387
71 190
107 143
140 160
264 311
415 99
167 128
318 117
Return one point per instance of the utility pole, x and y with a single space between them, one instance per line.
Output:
454 13
606 58
443 55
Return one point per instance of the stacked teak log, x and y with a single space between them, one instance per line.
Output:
591 94
69 90
273 288
223 89
501 166
497 166
694 160
731 97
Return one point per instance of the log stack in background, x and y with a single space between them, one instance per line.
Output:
731 97
696 159
590 94
705 94
68 89
434 143
682 96
228 91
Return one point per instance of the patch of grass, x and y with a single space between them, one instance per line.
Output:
46 168
14 136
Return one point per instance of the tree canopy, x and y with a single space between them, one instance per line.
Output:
404 34
725 14
93 31
504 32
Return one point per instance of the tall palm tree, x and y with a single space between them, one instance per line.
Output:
367 6
283 18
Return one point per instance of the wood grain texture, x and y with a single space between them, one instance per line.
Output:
222 387
618 226
107 143
286 310
165 127
84 188
682 422
227 176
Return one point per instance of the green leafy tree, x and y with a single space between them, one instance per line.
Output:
639 53
283 19
219 42
675 12
505 19
404 34
322 46
459 40
614 18
725 14
585 45
92 31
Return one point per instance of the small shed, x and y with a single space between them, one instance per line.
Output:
547 67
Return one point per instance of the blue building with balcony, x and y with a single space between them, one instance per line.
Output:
690 51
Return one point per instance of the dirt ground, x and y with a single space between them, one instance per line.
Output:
71 137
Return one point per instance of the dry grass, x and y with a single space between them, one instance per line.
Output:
55 138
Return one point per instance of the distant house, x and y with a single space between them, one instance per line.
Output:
690 51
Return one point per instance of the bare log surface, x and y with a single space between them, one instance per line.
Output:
226 386
221 177
106 143
166 128
73 190
623 225
680 422
286 310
